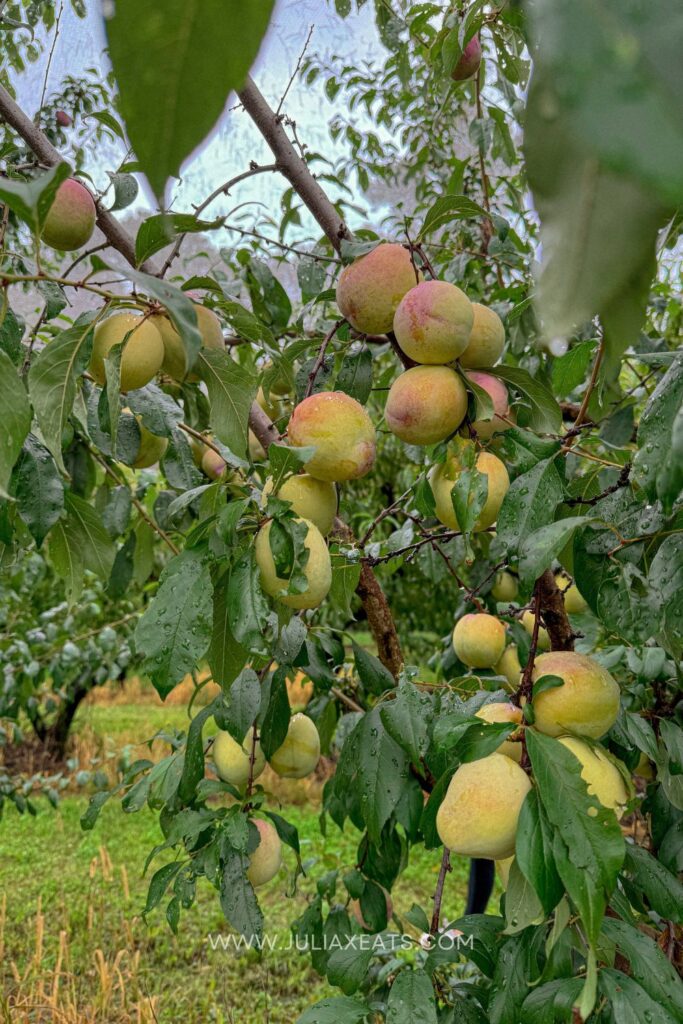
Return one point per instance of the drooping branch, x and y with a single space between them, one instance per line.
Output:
41 146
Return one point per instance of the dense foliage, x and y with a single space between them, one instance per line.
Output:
141 484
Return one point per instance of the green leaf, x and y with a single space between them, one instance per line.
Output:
570 369
515 969
658 464
277 714
176 303
345 579
227 657
374 676
411 998
31 200
449 208
16 419
553 1002
546 415
649 967
246 605
232 390
660 887
156 232
175 631
285 460
52 381
174 75
347 967
86 531
338 1010
468 496
355 375
534 852
238 900
629 1003
244 702
407 719
588 846
159 884
193 762
538 550
529 504
522 905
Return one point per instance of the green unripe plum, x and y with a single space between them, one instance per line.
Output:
602 777
574 602
503 416
257 452
479 814
586 705
426 404
509 665
152 447
504 711
232 759
318 569
142 354
70 221
213 464
469 62
174 350
340 430
644 769
370 288
443 476
505 587
528 620
265 861
271 407
433 322
315 500
479 640
300 752
486 341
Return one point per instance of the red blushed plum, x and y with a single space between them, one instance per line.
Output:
340 430
70 221
504 417
370 289
433 322
469 62
426 404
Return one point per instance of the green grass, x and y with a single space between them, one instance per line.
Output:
49 858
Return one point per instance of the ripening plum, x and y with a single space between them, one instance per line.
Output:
315 500
443 476
340 430
603 778
213 464
174 350
509 665
505 587
300 751
469 62
265 861
433 322
479 813
152 447
486 341
70 220
426 404
574 602
503 416
142 353
504 711
586 705
317 571
543 643
233 760
479 640
370 288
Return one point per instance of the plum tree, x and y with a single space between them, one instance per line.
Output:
509 665
543 642
504 417
433 321
504 711
370 288
479 813
574 602
174 349
603 778
266 860
300 751
469 61
340 430
587 703
213 464
486 341
479 640
317 570
315 500
426 404
233 759
70 220
443 476
142 353
505 587
151 449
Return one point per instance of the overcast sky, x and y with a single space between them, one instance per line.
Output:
81 44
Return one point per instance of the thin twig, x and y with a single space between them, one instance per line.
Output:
589 391
438 893
320 358
295 72
136 502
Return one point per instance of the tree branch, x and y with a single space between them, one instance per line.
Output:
115 234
